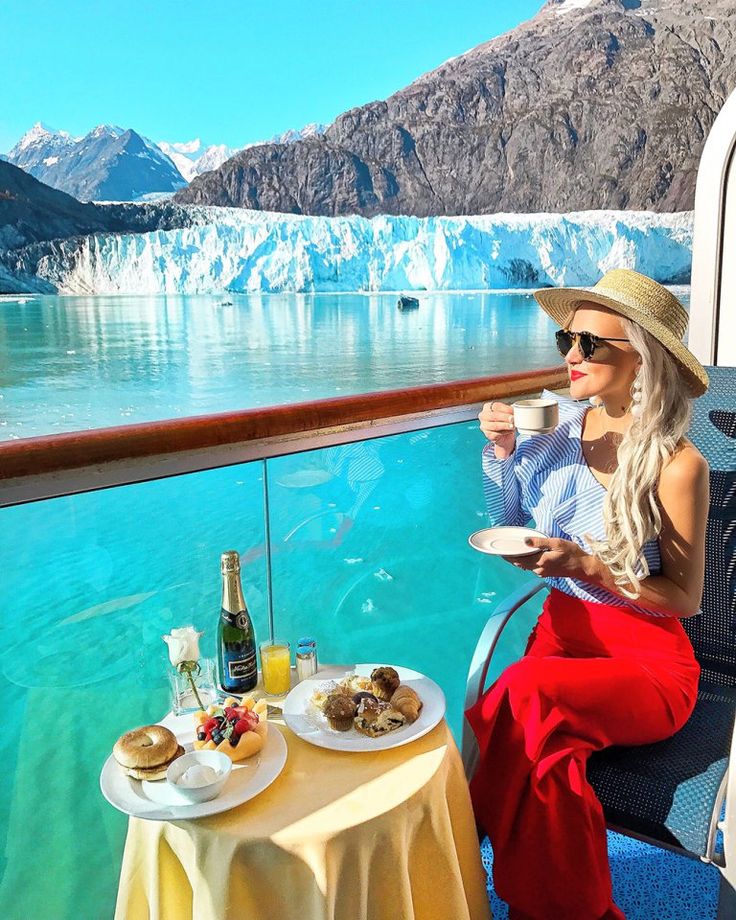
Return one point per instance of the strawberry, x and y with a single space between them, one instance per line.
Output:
242 726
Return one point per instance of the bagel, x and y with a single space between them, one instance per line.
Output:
152 773
145 748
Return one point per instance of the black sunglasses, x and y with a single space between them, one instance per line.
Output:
586 342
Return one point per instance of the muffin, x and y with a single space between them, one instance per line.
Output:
340 711
370 708
378 720
385 682
363 695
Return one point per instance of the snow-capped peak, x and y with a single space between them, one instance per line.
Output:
111 130
39 132
313 129
186 147
567 6
192 159
109 163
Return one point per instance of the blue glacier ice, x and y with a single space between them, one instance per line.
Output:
237 250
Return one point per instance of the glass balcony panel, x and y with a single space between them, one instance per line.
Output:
89 585
370 553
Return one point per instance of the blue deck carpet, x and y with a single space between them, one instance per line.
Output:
648 883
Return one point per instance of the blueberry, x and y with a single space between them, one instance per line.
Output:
201 736
216 737
233 741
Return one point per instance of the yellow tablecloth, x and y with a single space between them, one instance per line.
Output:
338 836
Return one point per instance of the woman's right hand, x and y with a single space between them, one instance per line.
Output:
497 424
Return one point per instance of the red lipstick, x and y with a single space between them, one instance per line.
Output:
576 375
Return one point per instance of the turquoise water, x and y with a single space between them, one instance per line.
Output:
68 363
368 542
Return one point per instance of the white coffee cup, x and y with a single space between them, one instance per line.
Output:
536 416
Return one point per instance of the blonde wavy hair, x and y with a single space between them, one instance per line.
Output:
630 512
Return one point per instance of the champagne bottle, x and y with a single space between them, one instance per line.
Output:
236 638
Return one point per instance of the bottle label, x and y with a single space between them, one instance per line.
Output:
242 668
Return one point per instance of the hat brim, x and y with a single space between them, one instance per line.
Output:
560 302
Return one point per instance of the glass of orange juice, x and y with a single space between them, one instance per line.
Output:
276 667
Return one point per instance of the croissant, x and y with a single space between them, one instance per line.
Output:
407 702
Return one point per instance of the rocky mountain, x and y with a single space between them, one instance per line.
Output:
40 148
31 212
591 104
108 164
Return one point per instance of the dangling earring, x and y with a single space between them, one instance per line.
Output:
636 406
596 401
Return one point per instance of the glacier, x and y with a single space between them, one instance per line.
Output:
229 249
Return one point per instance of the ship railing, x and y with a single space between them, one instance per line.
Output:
49 466
351 516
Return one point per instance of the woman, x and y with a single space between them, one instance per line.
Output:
623 496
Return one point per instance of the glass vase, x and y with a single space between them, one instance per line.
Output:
183 698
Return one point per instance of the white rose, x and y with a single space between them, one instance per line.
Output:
183 645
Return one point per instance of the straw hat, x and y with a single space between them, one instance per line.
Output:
640 299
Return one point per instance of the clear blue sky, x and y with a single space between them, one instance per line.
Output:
226 71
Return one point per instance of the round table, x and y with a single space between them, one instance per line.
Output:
337 836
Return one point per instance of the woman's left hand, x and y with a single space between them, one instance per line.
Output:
556 558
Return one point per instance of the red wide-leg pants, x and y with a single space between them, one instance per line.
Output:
593 675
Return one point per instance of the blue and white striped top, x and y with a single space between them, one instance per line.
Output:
548 481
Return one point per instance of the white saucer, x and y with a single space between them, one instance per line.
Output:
504 541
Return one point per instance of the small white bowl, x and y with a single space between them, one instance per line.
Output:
219 762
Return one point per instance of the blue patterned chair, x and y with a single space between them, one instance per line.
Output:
677 793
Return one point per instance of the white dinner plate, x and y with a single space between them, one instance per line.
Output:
305 720
159 801
504 541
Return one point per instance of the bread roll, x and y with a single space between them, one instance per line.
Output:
149 746
407 702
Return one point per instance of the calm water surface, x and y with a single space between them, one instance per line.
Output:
368 542
68 363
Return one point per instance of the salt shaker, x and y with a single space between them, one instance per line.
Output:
306 658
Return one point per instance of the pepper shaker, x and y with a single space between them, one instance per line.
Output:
306 658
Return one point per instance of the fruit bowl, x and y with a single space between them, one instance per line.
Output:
236 729
214 760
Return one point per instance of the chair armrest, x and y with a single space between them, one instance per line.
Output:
727 826
488 640
481 661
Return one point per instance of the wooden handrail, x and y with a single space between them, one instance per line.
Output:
79 449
